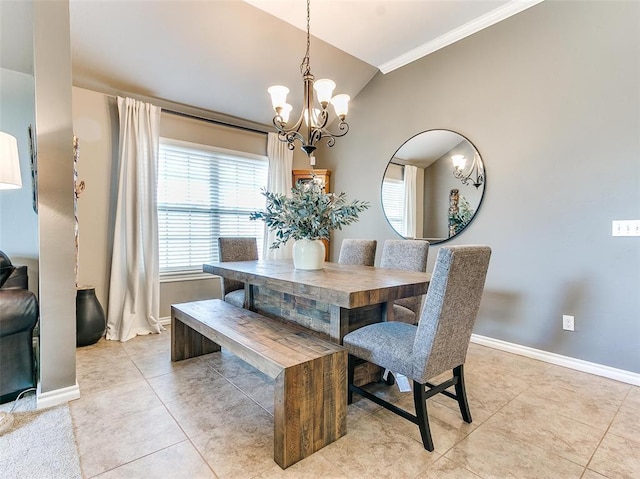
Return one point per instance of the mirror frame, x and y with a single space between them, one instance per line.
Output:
484 184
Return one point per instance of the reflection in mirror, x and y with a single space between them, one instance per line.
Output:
433 186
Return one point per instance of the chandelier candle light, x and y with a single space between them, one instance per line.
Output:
315 119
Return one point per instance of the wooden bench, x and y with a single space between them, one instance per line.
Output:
310 373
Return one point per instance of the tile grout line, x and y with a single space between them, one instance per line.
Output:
605 434
188 438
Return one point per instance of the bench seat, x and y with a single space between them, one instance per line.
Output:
310 373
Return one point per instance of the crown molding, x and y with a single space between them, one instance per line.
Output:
480 23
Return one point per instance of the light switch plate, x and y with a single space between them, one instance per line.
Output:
625 228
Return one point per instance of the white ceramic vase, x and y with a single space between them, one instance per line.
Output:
308 254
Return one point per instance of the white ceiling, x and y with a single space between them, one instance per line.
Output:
16 38
222 55
388 34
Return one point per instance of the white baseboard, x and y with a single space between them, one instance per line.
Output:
553 358
57 396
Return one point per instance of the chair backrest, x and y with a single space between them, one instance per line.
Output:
410 255
358 251
450 310
236 249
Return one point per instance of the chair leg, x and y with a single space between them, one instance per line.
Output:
351 366
461 394
420 402
390 381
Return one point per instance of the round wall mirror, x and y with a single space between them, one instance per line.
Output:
433 186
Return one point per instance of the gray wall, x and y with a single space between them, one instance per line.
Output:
551 99
18 220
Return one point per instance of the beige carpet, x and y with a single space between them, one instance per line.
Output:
40 445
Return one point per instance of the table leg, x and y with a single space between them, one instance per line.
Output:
249 301
339 326
387 311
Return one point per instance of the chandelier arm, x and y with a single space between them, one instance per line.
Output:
290 137
463 176
331 140
320 133
343 128
279 124
315 136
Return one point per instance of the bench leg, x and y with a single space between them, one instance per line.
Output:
310 407
187 343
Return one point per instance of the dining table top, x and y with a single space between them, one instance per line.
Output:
347 286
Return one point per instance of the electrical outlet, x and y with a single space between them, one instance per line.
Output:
567 322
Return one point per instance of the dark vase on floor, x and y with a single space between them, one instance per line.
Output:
90 320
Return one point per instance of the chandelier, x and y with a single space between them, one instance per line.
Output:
311 125
475 173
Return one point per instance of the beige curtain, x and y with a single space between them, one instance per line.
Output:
279 181
134 291
410 173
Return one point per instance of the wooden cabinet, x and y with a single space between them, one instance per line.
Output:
324 176
307 175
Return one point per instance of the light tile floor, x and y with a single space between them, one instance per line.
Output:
140 415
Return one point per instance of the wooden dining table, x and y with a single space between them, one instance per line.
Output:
333 300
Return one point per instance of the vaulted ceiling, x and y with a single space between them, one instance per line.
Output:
222 55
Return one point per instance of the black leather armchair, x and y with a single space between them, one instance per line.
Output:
18 318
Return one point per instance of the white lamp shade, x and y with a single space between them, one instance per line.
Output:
459 161
278 96
341 104
324 89
9 163
286 111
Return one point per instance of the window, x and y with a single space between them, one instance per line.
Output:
203 193
393 201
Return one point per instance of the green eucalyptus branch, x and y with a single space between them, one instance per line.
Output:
309 213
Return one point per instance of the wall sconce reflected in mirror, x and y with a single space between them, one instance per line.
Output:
459 161
475 173
10 178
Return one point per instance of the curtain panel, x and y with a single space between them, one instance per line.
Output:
279 181
134 291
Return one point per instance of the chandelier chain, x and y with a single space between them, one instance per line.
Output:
305 67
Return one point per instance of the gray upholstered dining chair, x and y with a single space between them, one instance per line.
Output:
358 251
236 249
437 344
410 255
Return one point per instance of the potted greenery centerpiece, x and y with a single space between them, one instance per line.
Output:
307 216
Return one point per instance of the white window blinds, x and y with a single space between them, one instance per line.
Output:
204 193
393 201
